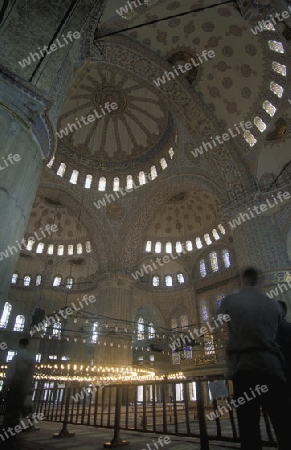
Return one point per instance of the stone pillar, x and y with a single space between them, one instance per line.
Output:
115 299
24 136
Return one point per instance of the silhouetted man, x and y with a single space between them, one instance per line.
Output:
254 358
17 385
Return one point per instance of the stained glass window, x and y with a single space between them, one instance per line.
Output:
180 278
57 281
19 323
140 329
116 184
129 182
94 336
179 248
171 152
164 164
250 138
88 181
276 89
199 243
38 280
276 46
215 235
148 246
208 345
151 330
69 283
57 329
60 250
40 247
30 243
102 184
189 246
204 311
27 280
207 239
50 249
14 278
61 170
203 271
269 108
168 247
260 124
74 177
70 249
88 247
226 258
156 281
142 178
79 249
221 228
158 247
153 172
214 261
279 68
50 163
169 280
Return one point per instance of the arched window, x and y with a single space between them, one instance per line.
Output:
38 280
260 124
74 177
276 46
184 321
151 331
208 344
221 229
79 249
14 278
140 329
269 108
50 163
276 89
116 184
189 246
279 68
213 261
171 152
163 163
70 249
69 283
250 138
153 172
61 170
129 182
218 301
61 249
26 280
19 323
5 315
199 243
88 247
57 281
204 311
203 271
226 258
30 243
168 280
207 239
102 184
215 235
142 178
179 247
50 249
88 181
174 323
40 247
57 329
169 247
94 336
156 281
180 278
148 246
158 247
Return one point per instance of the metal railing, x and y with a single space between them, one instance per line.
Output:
181 408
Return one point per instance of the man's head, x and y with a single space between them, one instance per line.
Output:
284 308
23 343
249 277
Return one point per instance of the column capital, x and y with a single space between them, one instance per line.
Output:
30 107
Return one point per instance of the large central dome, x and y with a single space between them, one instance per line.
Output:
138 129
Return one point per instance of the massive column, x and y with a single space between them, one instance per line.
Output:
25 141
